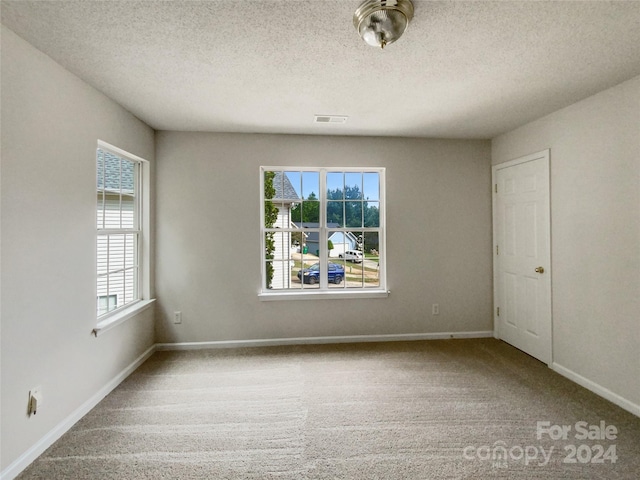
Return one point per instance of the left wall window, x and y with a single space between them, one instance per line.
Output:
119 229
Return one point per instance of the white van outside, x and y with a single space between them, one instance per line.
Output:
352 256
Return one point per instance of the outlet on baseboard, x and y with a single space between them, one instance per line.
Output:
177 317
435 309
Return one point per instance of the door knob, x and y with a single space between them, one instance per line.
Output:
540 270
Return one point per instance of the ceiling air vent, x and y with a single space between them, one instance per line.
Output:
331 119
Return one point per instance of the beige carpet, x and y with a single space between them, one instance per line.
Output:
406 410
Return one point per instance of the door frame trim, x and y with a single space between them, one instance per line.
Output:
546 155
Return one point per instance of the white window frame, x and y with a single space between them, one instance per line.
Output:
141 229
323 291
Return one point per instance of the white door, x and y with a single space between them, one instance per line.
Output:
522 254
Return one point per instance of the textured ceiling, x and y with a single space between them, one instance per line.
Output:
462 69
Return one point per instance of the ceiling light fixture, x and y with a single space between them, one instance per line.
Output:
381 22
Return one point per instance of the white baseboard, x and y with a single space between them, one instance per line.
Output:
321 340
24 460
597 389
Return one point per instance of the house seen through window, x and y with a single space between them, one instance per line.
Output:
322 229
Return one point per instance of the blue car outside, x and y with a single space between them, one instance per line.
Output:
311 275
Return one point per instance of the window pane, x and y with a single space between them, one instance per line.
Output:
100 210
353 214
282 245
283 219
312 212
116 252
128 179
335 274
103 250
268 182
103 295
130 246
371 272
371 242
353 186
335 214
117 269
338 271
335 186
279 260
332 250
292 186
296 214
130 293
280 198
372 214
100 188
281 274
309 274
111 173
116 183
287 185
353 260
100 169
337 245
371 186
306 272
270 210
371 247
117 287
277 182
106 303
310 244
111 211
127 211
297 242
268 278
271 214
353 274
310 185
306 213
116 290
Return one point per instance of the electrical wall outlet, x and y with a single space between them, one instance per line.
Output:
177 317
435 309
35 400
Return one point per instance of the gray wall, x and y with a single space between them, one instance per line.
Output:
51 122
595 232
208 250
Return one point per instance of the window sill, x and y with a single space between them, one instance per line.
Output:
122 316
269 296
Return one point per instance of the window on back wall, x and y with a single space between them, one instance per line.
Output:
118 229
322 231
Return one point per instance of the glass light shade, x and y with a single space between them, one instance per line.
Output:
380 23
383 27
